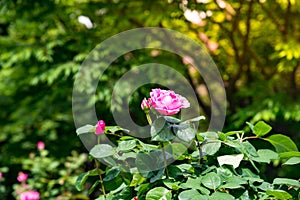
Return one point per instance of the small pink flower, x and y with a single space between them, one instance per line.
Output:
100 127
167 102
22 177
1 175
30 195
146 104
40 145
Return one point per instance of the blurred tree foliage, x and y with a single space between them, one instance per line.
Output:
254 43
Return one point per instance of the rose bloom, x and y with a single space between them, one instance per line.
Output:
167 102
40 145
22 177
100 127
30 195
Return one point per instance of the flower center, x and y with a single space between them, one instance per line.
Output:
167 100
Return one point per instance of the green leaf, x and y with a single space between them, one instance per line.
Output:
112 173
265 156
233 133
157 175
171 184
261 128
157 126
233 160
279 194
222 136
143 188
292 161
148 147
123 192
113 129
80 181
176 150
109 161
191 183
234 182
246 172
126 145
211 180
286 181
282 143
174 172
221 196
91 190
211 147
172 120
210 135
102 151
113 184
289 154
196 119
148 163
85 129
191 195
137 179
251 126
159 193
185 132
161 131
194 183
265 186
250 149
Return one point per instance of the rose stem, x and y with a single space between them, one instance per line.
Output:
148 118
200 149
165 158
97 164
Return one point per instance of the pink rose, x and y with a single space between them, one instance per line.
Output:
100 127
146 104
30 195
40 145
167 102
22 177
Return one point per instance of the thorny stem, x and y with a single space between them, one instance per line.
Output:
165 158
97 165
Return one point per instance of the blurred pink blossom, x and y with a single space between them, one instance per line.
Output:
22 177
167 102
40 145
100 127
30 195
1 175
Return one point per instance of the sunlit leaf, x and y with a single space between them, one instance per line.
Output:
102 151
159 193
85 129
233 160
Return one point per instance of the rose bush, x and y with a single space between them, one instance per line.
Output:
178 162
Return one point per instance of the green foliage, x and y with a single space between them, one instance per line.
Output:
52 178
229 168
